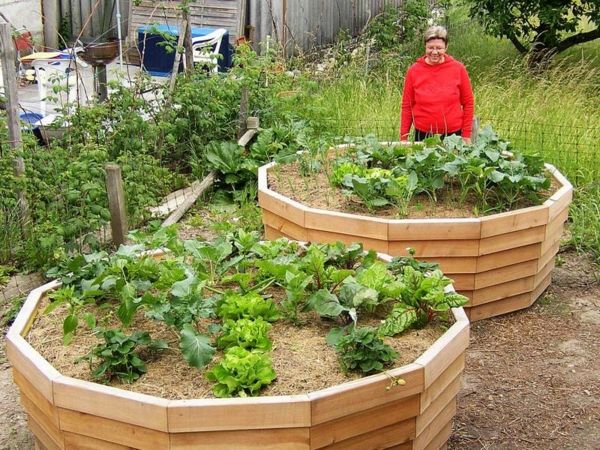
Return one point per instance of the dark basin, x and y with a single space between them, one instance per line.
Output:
100 53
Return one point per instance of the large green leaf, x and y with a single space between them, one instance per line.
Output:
195 347
325 304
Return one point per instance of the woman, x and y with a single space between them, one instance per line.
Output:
437 96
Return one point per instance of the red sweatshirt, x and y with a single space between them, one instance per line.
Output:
437 98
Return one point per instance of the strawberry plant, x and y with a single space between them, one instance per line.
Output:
362 349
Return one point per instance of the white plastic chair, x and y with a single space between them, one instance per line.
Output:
206 49
56 72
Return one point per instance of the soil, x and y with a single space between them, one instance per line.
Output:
301 357
531 379
317 192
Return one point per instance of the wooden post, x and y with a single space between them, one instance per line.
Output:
7 56
116 203
187 43
243 112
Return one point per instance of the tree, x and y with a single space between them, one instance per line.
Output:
539 28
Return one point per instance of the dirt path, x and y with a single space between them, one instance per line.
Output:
531 382
532 378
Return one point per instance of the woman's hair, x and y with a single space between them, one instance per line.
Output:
436 32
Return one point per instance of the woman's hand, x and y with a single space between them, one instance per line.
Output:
467 140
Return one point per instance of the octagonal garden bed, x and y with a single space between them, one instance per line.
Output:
406 407
501 262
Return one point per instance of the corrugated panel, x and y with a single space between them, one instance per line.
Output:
301 25
229 14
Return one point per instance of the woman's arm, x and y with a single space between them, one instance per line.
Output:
468 104
408 100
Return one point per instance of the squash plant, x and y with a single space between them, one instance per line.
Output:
221 298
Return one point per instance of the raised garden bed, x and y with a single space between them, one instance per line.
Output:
410 406
501 262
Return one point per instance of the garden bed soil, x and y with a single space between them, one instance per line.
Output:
301 357
315 191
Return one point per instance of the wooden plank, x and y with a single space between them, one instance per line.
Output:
559 201
272 234
501 291
540 288
262 176
444 352
548 256
197 189
390 436
440 385
329 237
45 423
434 249
505 274
437 405
508 257
467 264
515 239
125 406
369 392
499 307
43 441
111 430
512 221
434 229
31 365
28 389
556 223
273 439
282 206
239 414
81 442
284 226
440 441
27 314
368 421
543 273
559 177
553 241
462 281
350 224
437 425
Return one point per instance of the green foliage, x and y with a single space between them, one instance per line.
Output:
251 305
584 229
542 28
246 333
362 349
421 298
195 347
120 355
241 373
485 171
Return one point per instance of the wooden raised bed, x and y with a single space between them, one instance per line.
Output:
502 262
409 407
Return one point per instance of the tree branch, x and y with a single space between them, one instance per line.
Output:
578 39
518 44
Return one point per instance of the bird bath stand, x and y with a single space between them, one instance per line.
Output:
99 55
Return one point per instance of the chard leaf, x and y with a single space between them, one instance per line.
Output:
400 319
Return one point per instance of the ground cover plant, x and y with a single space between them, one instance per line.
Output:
222 299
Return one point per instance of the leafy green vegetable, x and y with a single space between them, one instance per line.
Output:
241 373
362 349
251 305
195 347
246 333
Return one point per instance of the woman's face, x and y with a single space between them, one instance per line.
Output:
435 50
